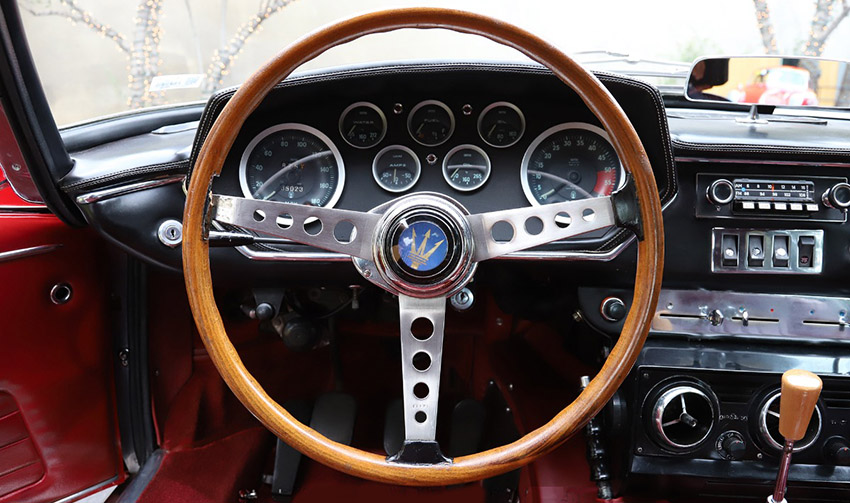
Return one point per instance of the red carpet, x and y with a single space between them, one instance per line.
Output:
211 473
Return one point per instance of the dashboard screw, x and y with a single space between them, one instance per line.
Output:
367 273
398 108
431 159
467 109
639 450
759 455
16 167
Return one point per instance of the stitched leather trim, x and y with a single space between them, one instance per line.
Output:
181 166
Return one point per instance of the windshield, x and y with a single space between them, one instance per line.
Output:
101 57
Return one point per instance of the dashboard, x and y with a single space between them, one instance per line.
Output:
754 216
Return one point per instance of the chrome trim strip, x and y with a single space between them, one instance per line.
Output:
100 195
763 162
10 255
89 491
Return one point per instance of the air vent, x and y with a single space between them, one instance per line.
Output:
769 425
682 417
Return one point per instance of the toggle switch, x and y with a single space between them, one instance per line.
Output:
780 250
755 250
729 250
805 251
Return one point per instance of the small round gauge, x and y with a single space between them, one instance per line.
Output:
396 168
466 167
362 125
431 123
570 161
501 124
292 163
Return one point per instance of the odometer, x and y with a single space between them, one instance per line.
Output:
570 161
292 163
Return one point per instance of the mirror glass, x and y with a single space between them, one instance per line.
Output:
771 80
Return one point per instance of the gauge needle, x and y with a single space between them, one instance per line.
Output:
395 178
490 133
275 177
561 181
419 129
352 130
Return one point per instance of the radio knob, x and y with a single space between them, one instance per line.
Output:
720 192
838 196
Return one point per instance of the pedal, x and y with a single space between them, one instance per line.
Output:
394 427
468 419
332 415
287 459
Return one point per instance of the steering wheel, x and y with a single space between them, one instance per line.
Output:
423 247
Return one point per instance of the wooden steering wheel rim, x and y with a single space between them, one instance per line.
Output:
368 465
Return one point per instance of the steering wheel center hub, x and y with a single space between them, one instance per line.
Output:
423 246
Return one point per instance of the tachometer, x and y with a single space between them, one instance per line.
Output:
292 163
570 161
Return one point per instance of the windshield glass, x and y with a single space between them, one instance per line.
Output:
101 57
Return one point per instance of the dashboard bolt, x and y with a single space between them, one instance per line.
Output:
467 109
398 108
431 159
759 455
367 273
639 450
16 167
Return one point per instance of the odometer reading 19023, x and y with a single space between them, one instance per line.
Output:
570 161
292 163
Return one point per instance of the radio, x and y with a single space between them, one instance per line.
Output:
814 198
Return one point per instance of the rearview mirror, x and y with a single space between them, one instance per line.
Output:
786 81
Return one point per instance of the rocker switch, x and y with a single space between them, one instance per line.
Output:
780 250
755 250
806 251
729 250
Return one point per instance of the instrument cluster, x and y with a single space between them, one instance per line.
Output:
297 163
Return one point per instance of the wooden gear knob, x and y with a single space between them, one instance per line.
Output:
800 392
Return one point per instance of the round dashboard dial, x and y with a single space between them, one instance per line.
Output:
292 163
362 125
396 168
501 124
570 161
431 123
466 167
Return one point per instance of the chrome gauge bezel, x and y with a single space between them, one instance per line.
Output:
426 103
458 148
523 172
243 162
367 104
377 178
501 104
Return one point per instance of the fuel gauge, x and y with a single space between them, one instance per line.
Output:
396 168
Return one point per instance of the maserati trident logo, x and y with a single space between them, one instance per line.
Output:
422 246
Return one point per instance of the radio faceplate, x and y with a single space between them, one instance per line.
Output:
772 198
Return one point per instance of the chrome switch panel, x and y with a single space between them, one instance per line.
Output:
760 251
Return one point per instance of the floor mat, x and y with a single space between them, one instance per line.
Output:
214 472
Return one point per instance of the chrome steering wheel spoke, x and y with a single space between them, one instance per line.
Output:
539 225
422 323
309 225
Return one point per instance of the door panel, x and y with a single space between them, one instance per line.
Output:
58 426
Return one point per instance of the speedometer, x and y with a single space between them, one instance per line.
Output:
570 161
292 163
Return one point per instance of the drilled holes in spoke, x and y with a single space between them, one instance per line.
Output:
502 232
284 221
421 329
563 220
421 390
259 215
533 226
421 361
588 215
420 417
345 232
313 226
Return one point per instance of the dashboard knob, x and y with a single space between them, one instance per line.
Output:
613 309
720 192
837 196
731 445
837 451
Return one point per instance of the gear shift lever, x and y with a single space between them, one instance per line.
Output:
800 392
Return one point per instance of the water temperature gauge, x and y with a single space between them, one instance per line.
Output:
396 168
